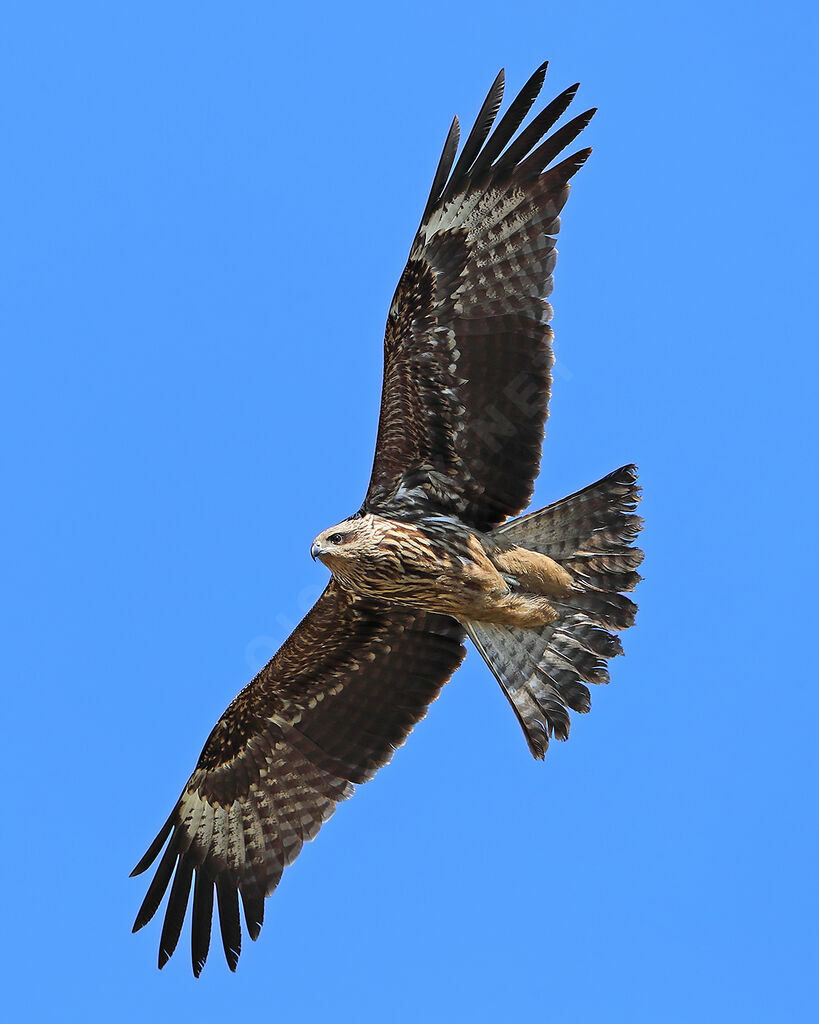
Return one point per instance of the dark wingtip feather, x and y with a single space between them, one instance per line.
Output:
511 120
253 906
227 899
201 920
444 165
150 854
156 890
535 131
481 128
541 157
567 168
175 912
501 156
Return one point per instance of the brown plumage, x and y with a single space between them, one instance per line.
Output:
431 556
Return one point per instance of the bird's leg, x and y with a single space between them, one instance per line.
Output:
526 611
536 579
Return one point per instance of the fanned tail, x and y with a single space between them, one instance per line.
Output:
544 672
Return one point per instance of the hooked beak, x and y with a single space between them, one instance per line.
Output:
315 550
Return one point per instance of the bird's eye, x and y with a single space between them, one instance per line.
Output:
336 538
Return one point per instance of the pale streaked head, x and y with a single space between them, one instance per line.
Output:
353 540
335 542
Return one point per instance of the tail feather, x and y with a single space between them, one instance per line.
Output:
534 696
597 577
544 671
611 611
597 520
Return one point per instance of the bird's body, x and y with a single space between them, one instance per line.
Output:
434 554
437 564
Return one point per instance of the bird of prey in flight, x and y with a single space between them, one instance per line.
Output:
434 554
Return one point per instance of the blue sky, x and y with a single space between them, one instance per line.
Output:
205 209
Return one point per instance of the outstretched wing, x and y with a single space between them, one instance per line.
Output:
341 694
467 351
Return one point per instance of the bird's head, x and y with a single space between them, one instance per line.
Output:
356 545
338 545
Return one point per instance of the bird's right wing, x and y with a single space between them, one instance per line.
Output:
341 694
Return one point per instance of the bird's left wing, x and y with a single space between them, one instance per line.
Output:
328 710
467 349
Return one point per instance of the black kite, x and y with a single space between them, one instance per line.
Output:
432 554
